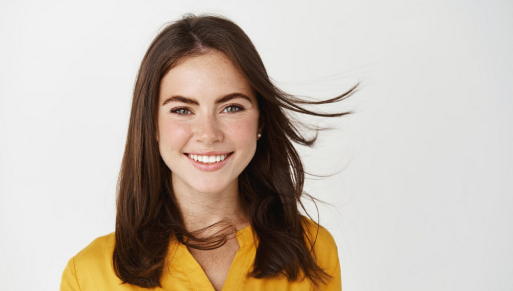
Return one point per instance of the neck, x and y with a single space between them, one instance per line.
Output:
200 210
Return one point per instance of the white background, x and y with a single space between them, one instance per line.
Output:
422 188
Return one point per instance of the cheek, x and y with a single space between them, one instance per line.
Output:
243 133
172 136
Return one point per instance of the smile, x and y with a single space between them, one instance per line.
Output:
208 159
208 162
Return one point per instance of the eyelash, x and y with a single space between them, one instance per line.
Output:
176 110
237 108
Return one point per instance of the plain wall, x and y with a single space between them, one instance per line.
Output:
421 187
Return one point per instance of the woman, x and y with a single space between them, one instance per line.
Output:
210 181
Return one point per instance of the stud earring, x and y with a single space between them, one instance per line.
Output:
259 135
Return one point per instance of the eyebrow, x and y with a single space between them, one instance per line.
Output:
192 101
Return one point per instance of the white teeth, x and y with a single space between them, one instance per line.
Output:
208 159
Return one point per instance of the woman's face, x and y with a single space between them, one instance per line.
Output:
207 124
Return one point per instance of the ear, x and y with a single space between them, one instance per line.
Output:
261 124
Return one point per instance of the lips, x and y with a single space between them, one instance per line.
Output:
211 161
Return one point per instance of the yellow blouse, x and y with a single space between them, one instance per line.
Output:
91 268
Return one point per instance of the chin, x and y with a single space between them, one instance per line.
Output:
204 182
209 188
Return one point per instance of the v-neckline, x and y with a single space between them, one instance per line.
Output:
239 266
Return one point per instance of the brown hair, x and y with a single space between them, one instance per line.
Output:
271 186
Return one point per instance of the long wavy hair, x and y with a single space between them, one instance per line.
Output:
271 186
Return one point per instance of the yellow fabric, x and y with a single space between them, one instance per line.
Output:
91 269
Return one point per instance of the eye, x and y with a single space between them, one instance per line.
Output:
180 111
233 108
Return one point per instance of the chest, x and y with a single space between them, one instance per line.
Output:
216 263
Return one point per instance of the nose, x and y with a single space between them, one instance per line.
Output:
208 129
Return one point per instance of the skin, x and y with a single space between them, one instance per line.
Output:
194 118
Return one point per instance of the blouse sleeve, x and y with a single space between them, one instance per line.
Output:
326 254
69 280
335 284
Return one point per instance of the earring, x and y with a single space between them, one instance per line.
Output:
259 135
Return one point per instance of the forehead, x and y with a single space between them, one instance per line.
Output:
204 77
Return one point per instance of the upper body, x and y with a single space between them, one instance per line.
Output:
91 269
209 142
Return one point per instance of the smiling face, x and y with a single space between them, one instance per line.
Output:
207 124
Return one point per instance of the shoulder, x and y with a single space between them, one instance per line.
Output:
97 253
324 247
91 268
318 235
